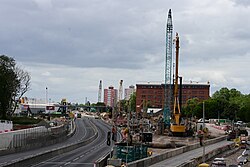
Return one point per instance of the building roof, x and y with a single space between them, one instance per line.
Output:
184 83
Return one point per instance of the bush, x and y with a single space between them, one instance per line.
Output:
25 120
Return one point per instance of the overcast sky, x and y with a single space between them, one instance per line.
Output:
70 45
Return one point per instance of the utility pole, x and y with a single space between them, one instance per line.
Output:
203 125
46 95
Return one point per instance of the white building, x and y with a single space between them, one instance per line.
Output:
129 91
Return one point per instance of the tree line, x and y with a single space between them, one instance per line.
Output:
224 104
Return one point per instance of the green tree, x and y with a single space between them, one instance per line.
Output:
229 102
244 112
14 82
132 102
191 104
211 108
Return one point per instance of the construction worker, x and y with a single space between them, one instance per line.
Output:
200 136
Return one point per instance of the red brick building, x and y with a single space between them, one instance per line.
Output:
110 96
153 94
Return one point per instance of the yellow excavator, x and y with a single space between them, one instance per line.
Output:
176 127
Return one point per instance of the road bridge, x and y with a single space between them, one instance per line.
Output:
86 129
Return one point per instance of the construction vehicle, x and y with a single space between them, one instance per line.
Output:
176 127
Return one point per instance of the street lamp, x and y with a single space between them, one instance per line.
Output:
203 125
46 95
218 117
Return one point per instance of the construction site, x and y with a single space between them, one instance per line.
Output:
143 134
148 131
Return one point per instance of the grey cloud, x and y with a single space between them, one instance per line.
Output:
124 35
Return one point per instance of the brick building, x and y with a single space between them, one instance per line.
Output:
153 94
110 96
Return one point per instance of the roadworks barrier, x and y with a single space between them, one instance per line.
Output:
34 159
171 153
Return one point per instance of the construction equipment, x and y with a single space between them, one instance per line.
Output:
168 71
176 127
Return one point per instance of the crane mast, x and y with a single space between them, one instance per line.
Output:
176 127
176 104
168 70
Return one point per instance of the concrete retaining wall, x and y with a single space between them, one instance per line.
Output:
103 160
170 153
41 139
34 159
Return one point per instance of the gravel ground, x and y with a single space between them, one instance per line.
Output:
232 159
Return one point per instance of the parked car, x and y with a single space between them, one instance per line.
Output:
219 162
240 124
201 120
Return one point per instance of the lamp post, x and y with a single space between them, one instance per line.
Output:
219 117
203 125
46 95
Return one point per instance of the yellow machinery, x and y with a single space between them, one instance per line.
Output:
176 127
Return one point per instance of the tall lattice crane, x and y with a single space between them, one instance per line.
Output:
168 70
100 91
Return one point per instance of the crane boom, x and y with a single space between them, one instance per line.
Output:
176 104
176 127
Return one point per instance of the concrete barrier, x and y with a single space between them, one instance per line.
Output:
196 161
170 153
34 159
44 139
101 162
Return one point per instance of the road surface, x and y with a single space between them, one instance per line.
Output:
180 159
83 132
84 156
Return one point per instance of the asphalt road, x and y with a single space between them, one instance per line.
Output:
83 132
84 156
181 158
